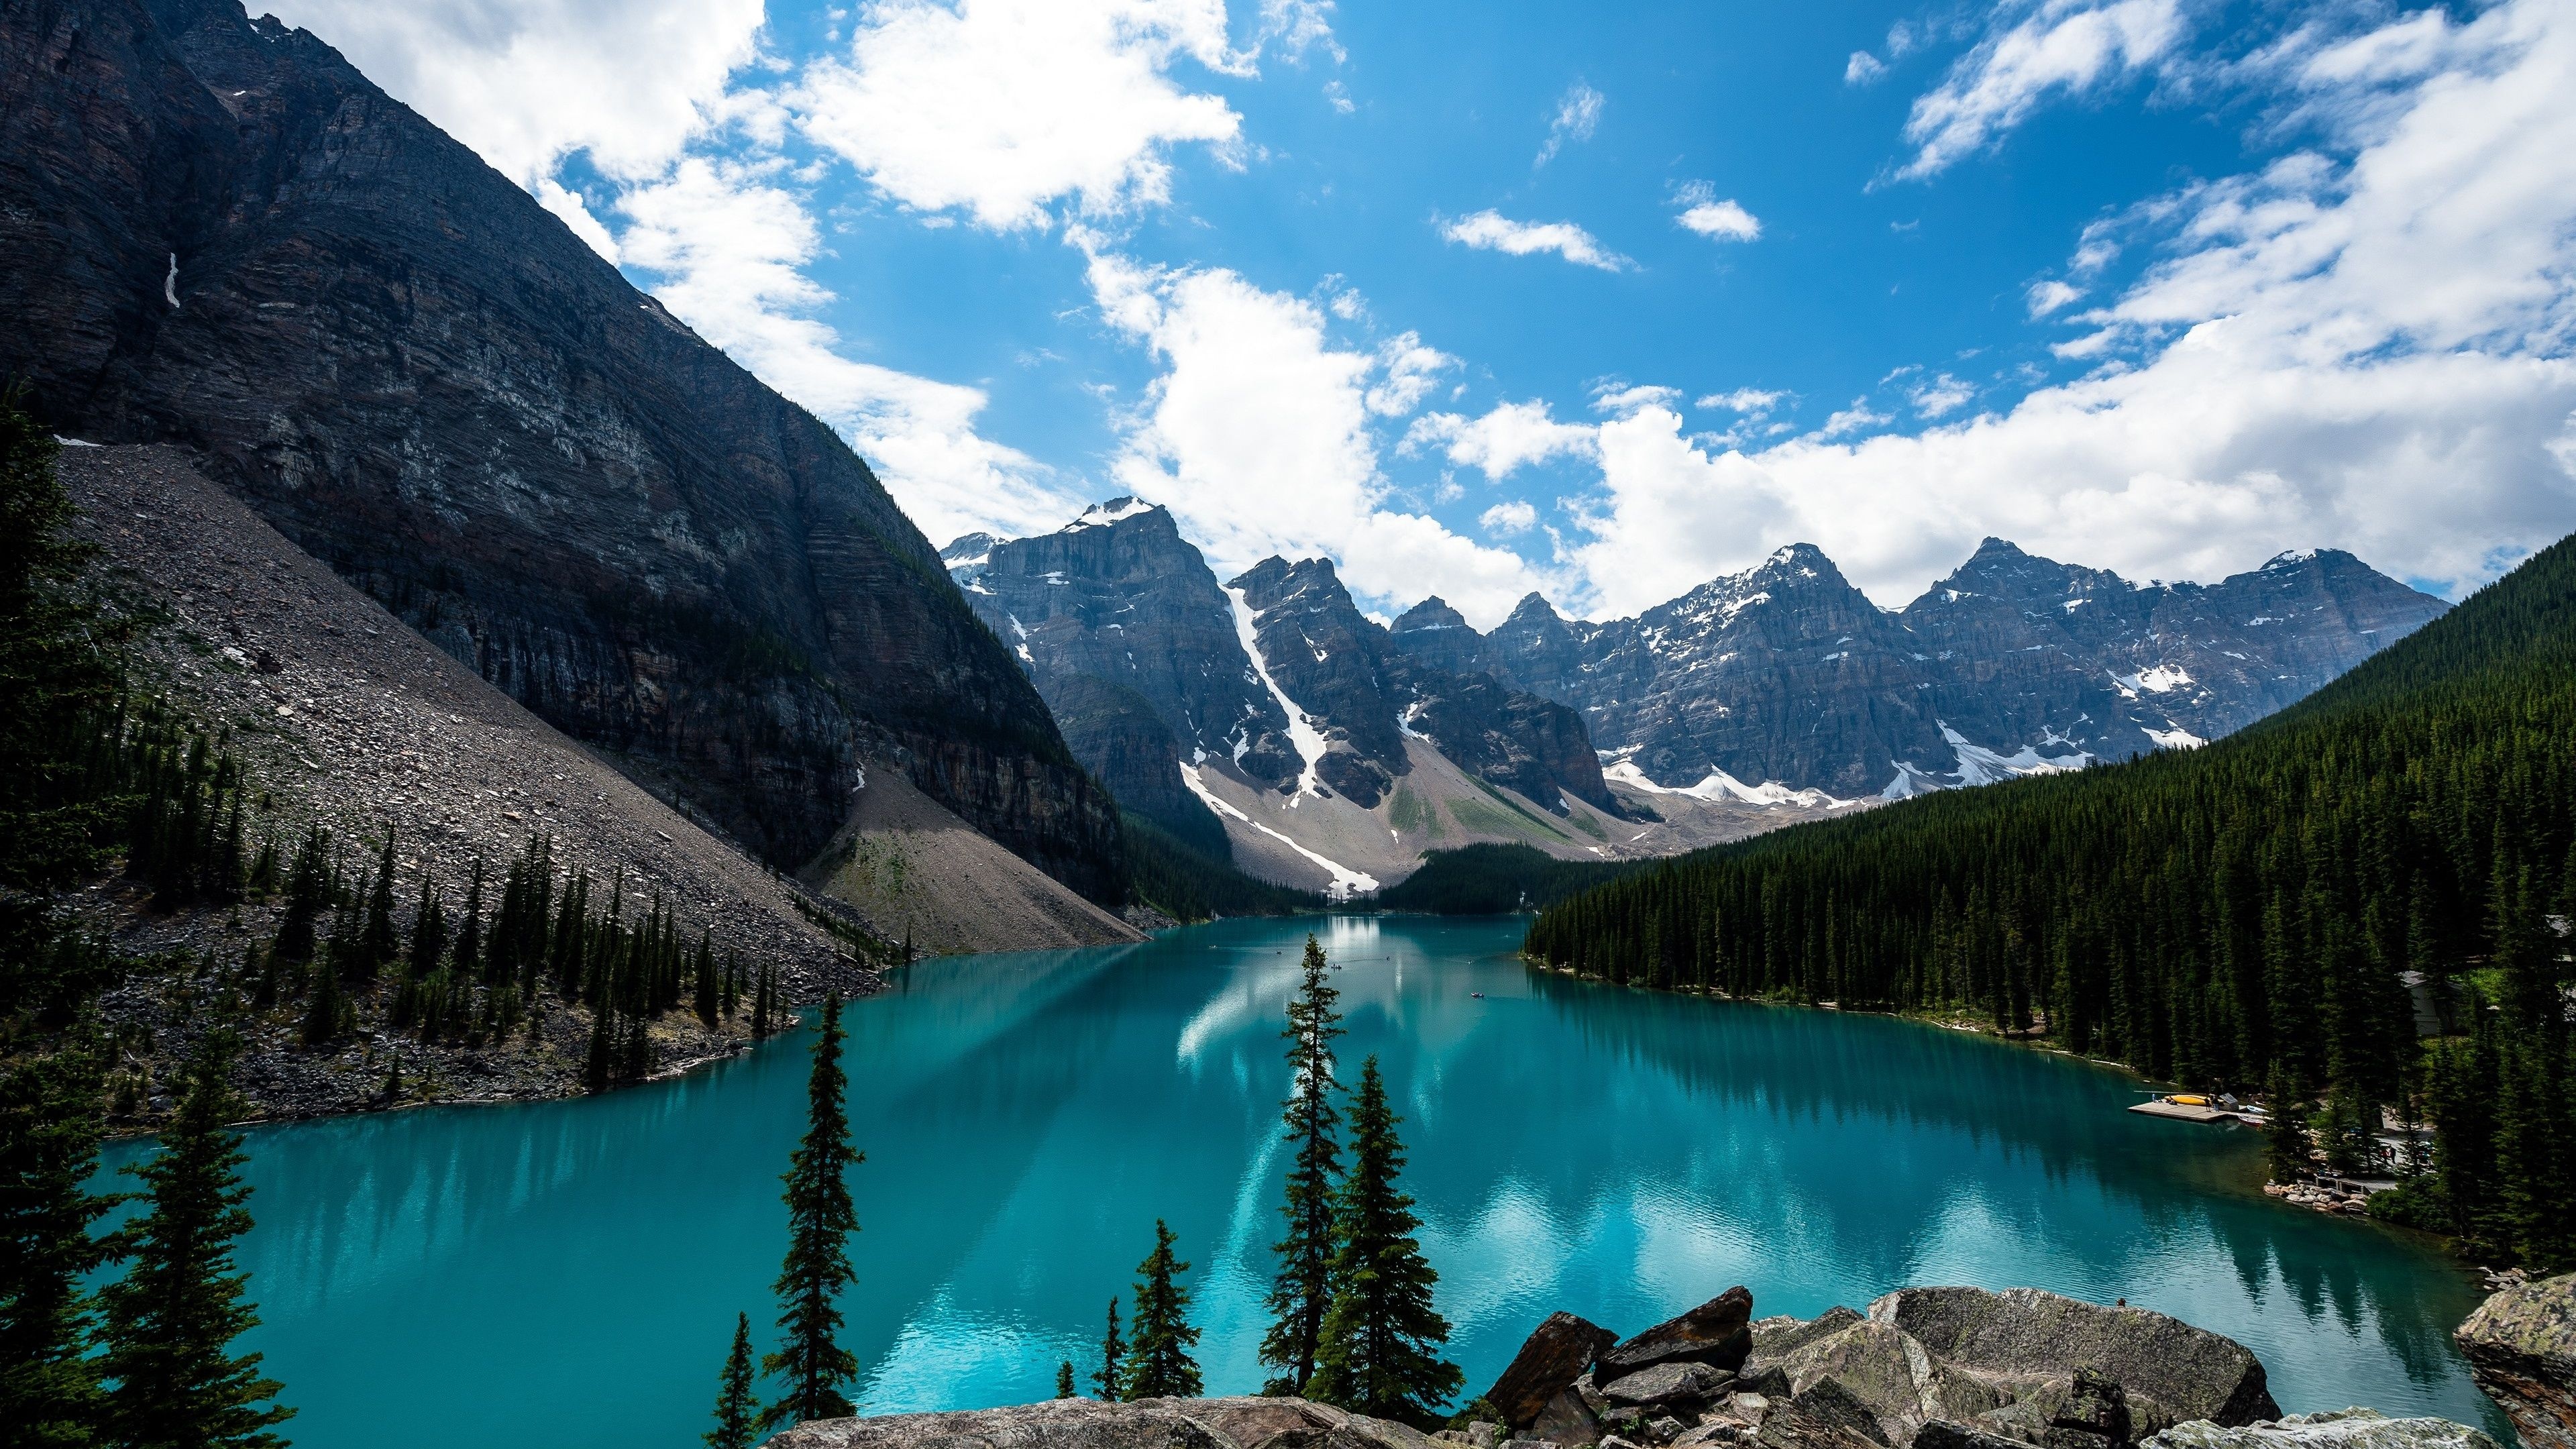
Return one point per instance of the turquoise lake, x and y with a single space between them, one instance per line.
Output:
567 1274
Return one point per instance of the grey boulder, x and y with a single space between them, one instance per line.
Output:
1551 1359
1717 1333
2521 1347
2342 1429
2024 1336
1234 1423
1668 1383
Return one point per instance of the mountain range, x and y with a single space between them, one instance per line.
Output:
1269 715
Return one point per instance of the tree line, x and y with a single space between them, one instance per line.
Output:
2266 914
124 1337
119 1338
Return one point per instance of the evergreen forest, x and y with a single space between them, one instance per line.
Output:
2358 908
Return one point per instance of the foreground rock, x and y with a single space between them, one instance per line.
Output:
1239 1423
1937 1368
2342 1429
2521 1346
1925 1368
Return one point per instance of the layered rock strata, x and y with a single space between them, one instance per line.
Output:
223 237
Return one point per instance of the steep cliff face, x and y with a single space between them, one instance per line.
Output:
1118 595
1787 675
220 235
1334 665
1122 738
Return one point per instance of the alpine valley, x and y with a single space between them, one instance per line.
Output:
1268 714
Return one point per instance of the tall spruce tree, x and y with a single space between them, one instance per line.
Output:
737 1410
171 1320
820 1219
1064 1388
1303 1288
1159 1365
1380 1350
1113 1351
49 1132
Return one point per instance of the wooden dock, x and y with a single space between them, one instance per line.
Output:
2180 1112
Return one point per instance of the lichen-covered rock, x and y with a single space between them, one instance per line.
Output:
1233 1423
1717 1333
2341 1429
2521 1346
2024 1336
1887 1369
1668 1383
1555 1354
1778 1336
1942 1434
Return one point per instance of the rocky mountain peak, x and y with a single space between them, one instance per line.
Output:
1431 613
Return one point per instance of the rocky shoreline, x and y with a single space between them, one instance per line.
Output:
1920 1368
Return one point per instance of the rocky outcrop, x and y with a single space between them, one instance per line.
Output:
1239 1423
2012 665
2521 1347
1936 1368
1717 1333
2023 1335
1557 1353
1121 738
222 236
2341 1429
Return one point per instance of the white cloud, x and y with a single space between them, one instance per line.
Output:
2066 46
1490 230
1407 372
1750 401
998 108
1862 68
532 81
1711 217
731 246
1940 396
1577 115
1509 518
1501 442
2049 295
1257 435
1619 399
2368 353
1854 419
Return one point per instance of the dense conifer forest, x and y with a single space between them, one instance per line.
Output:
1488 880
2272 913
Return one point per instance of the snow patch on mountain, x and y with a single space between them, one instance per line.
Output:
1720 785
1308 740
1981 766
2175 739
1102 515
2158 680
1346 881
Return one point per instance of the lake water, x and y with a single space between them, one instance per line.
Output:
567 1274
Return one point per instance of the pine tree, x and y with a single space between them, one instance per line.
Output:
327 1012
376 940
1158 1364
702 972
1111 1377
2284 1131
1380 1350
428 932
1064 1379
820 1219
49 1135
171 1320
1303 1288
737 1411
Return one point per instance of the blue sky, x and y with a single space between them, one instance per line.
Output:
1602 301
